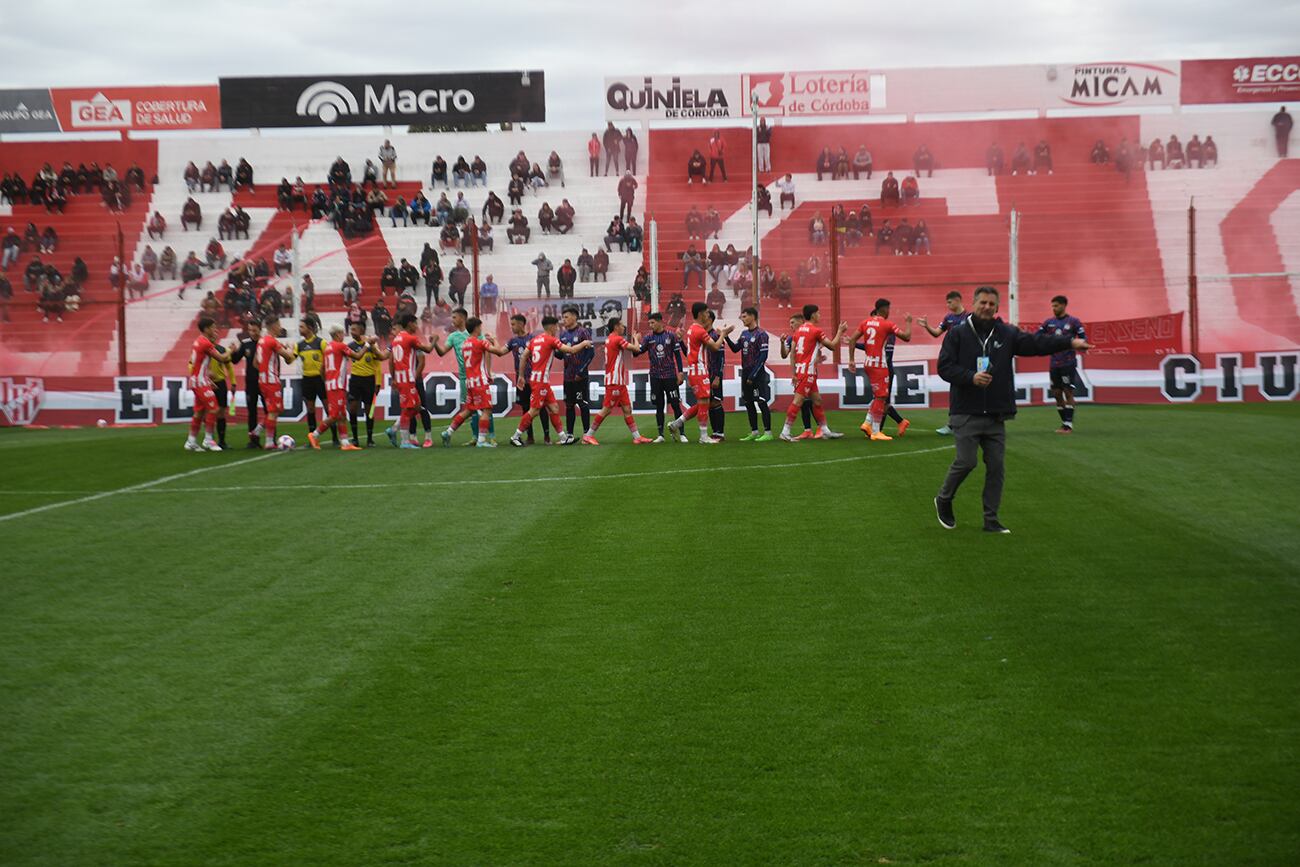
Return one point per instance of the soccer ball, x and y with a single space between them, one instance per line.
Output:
285 443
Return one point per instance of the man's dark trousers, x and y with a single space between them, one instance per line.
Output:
974 433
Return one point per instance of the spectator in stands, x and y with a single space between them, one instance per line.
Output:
49 240
764 136
398 211
1100 156
631 148
494 209
717 260
1020 160
546 218
716 299
308 294
284 195
351 289
852 230
191 213
166 264
633 235
134 176
460 174
478 172
626 193
208 178
1282 123
764 199
716 155
600 266
244 175
1195 153
593 155
564 215
862 162
377 200
488 294
923 160
299 196
783 289
613 142
432 273
712 222
515 190
993 160
225 175
518 231
388 159
1124 159
6 297
825 163
675 311
641 287
884 236
283 260
692 263
911 191
340 173
1156 151
370 174
586 265
841 164
1210 150
555 166
536 178
32 237
35 268
486 243
903 238
138 280
382 319
1042 157
36 192
438 172
215 254
81 273
1174 153
695 168
786 186
149 261
865 219
565 277
816 229
458 280
242 222
520 165
443 209
408 276
614 235
51 299
157 225
191 177
694 224
889 194
226 225
449 237
421 209
320 205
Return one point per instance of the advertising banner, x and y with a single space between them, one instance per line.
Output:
27 110
673 97
380 100
1145 335
593 313
810 94
1243 79
138 108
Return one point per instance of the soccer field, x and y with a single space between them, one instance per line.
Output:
747 654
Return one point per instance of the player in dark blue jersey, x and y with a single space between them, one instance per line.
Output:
717 364
518 346
752 347
957 314
1064 366
666 371
577 380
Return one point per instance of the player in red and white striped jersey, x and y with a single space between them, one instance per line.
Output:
404 364
269 353
698 342
336 365
205 347
536 361
875 332
478 382
808 340
617 347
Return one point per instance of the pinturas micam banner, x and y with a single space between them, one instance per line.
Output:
384 100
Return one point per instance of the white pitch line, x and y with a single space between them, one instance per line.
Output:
132 489
462 483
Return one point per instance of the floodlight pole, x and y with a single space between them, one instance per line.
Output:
1013 278
1193 299
654 265
121 302
755 294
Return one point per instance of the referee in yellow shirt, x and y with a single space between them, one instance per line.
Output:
311 351
366 381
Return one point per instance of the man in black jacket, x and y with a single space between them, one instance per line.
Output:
976 358
1282 130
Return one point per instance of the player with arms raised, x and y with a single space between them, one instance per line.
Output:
336 365
807 342
1064 366
535 369
202 352
616 396
698 345
404 363
478 382
270 353
876 332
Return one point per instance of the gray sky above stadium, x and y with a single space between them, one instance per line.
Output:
578 43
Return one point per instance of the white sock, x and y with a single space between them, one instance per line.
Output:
785 429
191 440
825 428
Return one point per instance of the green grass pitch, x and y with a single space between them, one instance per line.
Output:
748 654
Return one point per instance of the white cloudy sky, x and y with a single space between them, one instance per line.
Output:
85 43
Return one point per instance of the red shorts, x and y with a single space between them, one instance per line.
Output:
879 379
700 385
542 395
205 399
616 395
409 397
478 398
273 397
336 403
806 386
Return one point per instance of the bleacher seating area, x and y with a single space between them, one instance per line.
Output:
1115 242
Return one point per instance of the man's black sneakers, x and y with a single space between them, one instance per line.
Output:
944 510
995 527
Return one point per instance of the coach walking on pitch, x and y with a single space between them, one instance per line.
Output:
976 359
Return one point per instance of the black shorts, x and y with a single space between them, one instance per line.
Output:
665 386
715 386
577 390
1064 377
362 388
524 396
222 391
755 388
313 389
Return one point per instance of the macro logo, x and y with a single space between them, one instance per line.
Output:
327 101
100 111
19 403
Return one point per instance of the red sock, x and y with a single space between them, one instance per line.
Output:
210 424
525 420
456 421
791 414
692 412
195 421
630 422
270 430
595 423
557 423
483 421
819 414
